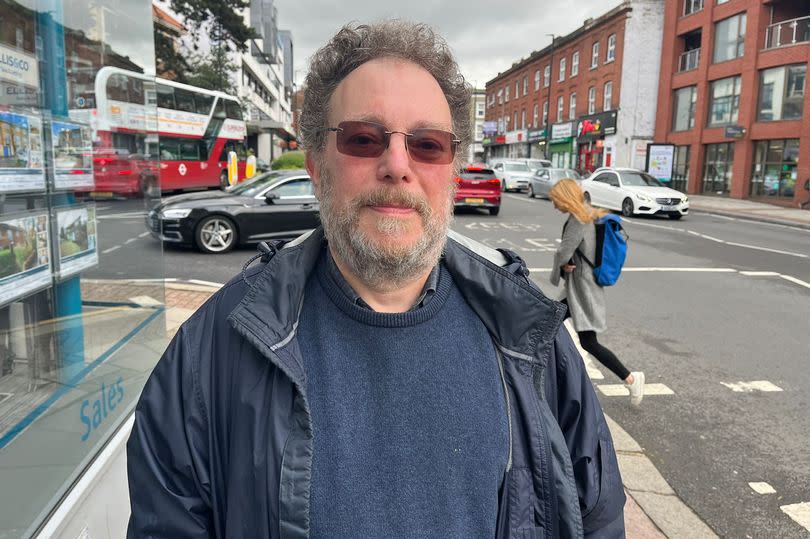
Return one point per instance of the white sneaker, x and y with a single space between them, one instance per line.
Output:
636 388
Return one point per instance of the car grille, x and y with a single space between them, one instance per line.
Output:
153 222
668 201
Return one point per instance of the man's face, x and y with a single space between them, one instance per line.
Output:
386 216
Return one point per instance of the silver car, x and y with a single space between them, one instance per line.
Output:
514 175
545 178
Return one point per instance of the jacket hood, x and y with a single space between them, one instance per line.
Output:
519 317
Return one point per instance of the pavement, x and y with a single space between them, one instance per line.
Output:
752 210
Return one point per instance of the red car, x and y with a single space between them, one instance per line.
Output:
478 187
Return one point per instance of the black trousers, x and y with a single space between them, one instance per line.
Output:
602 354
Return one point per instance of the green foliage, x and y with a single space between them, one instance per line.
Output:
220 19
171 64
288 160
8 263
213 71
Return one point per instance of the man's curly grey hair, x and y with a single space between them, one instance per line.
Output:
356 44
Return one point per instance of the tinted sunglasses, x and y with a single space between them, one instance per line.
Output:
368 139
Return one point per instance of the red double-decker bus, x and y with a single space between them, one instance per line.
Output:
150 132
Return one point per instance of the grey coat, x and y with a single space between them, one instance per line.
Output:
586 299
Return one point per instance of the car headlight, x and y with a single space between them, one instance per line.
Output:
179 213
685 199
643 198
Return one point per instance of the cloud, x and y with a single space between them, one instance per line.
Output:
487 37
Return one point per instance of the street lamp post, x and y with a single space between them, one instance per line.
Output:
548 95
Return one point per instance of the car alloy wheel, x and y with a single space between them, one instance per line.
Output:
216 234
627 207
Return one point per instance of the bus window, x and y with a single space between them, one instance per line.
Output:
193 150
203 103
117 87
135 91
169 149
233 110
184 100
165 96
234 146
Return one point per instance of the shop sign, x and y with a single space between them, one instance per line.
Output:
535 135
19 67
487 141
734 131
596 126
562 132
660 161
514 137
490 128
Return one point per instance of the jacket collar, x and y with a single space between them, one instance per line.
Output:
522 321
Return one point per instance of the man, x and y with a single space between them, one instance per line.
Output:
382 376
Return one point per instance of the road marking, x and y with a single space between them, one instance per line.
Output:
130 240
795 280
500 225
694 270
542 243
206 283
620 390
762 488
143 235
768 249
726 217
111 249
705 237
523 199
656 226
760 274
800 512
749 387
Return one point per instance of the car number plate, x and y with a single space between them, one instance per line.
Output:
101 194
669 208
474 200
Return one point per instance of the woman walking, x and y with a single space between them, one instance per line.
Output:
585 298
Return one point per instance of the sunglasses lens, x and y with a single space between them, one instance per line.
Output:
361 139
432 146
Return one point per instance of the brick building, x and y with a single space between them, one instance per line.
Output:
732 97
586 100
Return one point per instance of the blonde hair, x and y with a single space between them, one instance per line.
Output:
567 196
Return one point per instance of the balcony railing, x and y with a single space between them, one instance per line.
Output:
689 60
789 32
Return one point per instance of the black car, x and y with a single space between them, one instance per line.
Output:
273 205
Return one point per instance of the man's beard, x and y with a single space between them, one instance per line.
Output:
381 264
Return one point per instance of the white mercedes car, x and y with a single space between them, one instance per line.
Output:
633 192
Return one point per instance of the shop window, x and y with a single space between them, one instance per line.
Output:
724 107
775 169
781 93
717 170
680 169
729 38
683 114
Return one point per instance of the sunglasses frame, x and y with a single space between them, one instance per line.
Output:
454 142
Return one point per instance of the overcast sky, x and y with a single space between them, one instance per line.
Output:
486 36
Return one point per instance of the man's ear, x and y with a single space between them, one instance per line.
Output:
314 172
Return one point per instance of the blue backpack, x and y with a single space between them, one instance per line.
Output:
611 250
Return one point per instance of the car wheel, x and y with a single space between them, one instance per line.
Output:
495 211
587 197
531 191
223 180
627 207
215 234
675 216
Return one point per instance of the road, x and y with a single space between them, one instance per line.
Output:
714 310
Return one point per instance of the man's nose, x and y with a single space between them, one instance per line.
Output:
396 163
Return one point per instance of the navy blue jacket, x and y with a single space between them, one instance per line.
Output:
222 441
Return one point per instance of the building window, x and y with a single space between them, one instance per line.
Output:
680 168
525 84
683 114
562 70
575 64
523 119
692 6
595 55
775 168
572 106
729 38
500 125
506 94
535 115
611 49
721 2
717 171
725 101
500 96
536 80
479 110
781 93
545 113
608 96
517 89
546 76
515 124
591 100
560 107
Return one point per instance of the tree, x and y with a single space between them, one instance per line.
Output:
213 71
220 18
170 63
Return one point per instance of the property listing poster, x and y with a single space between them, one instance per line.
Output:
24 255
77 236
21 167
72 155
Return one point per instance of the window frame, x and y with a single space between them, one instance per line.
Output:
572 106
592 100
691 113
562 66
607 96
560 108
719 45
595 55
734 98
575 63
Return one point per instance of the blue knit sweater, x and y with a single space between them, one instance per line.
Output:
408 415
